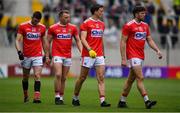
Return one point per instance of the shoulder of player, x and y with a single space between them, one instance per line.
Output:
144 23
90 20
54 25
129 23
42 25
87 20
100 21
24 23
72 25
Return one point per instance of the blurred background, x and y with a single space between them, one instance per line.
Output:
162 17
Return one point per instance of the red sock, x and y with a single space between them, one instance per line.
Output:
37 95
61 94
124 94
76 94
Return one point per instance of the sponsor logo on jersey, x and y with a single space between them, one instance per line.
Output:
64 36
140 35
96 33
33 36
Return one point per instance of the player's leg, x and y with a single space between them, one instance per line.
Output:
37 64
126 89
26 65
100 70
65 70
86 64
139 78
83 75
37 83
57 68
25 83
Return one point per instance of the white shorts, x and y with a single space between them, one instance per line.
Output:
90 62
64 61
135 62
31 61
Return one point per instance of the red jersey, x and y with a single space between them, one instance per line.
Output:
32 38
95 29
62 39
137 33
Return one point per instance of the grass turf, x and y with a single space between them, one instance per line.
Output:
165 91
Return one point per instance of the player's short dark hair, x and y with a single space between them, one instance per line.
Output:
63 11
138 8
96 7
37 14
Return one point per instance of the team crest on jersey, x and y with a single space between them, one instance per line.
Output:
96 33
33 36
97 25
140 28
69 30
140 35
64 36
64 30
39 30
33 29
92 26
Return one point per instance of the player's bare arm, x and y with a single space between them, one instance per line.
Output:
18 42
152 44
78 42
46 49
123 49
49 40
92 53
83 40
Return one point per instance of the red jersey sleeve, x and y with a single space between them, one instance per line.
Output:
104 27
20 29
75 32
83 27
50 31
43 31
148 31
125 30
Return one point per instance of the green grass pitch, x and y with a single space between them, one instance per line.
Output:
165 91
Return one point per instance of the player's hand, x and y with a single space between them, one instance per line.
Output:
92 53
159 54
21 56
123 63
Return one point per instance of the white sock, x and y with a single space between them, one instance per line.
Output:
76 97
57 96
146 98
61 97
123 98
102 99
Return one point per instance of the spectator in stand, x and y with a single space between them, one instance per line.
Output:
10 31
111 34
161 14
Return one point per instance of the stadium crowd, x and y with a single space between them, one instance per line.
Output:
162 16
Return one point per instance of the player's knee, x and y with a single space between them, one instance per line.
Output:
100 79
25 78
130 81
140 78
37 76
82 78
58 76
63 79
